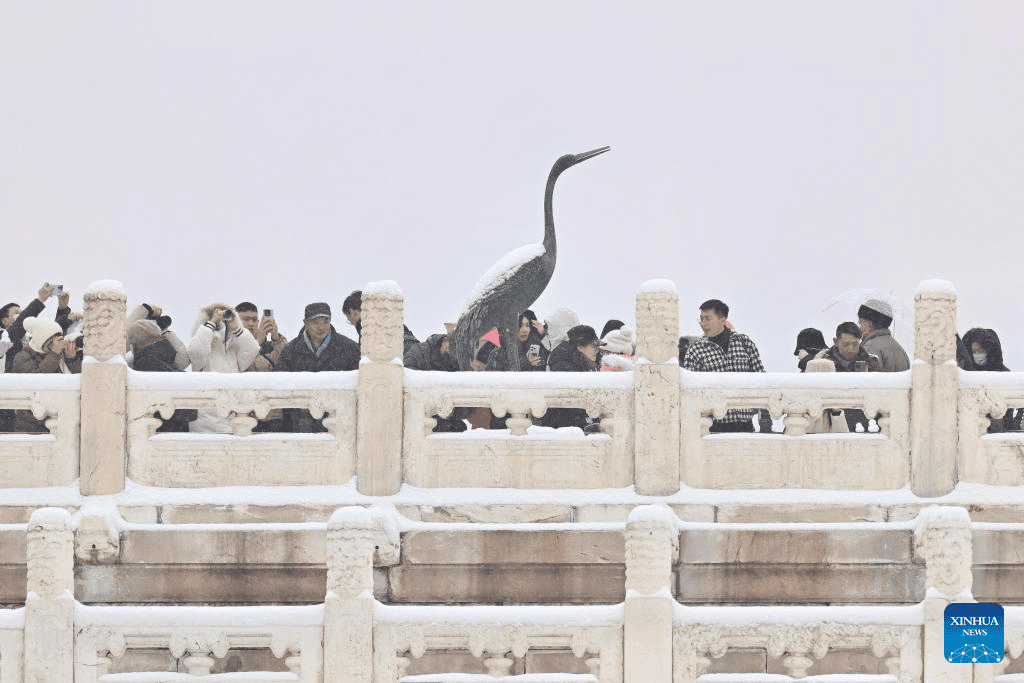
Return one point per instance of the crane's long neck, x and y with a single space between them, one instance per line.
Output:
550 245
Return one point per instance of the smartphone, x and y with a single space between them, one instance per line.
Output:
60 289
860 365
268 313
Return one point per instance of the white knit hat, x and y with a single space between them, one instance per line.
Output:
559 323
41 331
622 340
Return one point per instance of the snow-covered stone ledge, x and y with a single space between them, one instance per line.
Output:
241 458
28 460
798 457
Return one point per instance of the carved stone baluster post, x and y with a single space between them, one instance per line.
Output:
379 446
348 616
652 544
656 397
50 606
104 390
943 539
934 389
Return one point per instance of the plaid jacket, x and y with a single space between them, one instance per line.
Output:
705 355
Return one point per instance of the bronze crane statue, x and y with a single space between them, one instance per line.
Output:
514 283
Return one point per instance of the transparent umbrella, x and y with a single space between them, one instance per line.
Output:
845 304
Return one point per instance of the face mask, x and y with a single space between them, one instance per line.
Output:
980 358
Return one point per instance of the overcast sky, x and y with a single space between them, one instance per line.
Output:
771 154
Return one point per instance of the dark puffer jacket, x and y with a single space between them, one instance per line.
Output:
566 358
341 353
427 356
989 341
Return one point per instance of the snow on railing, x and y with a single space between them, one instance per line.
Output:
30 460
196 635
796 458
593 634
799 637
240 400
990 458
523 456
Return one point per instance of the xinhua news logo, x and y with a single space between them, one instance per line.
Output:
974 633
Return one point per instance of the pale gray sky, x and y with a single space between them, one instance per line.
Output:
768 154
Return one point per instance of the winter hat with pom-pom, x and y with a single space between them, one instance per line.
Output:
41 331
622 340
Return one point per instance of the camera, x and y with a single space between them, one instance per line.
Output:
228 315
268 313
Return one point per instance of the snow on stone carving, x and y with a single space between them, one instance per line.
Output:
935 324
51 553
651 545
943 538
382 320
657 321
350 542
105 310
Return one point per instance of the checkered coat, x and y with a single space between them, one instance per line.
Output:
705 355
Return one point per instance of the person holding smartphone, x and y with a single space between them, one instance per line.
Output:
848 355
265 331
528 354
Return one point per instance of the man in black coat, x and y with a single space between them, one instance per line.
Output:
319 348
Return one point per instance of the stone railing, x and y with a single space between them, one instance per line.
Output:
516 459
41 459
242 458
990 458
795 459
654 420
196 636
351 636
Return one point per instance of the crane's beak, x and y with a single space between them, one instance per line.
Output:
592 153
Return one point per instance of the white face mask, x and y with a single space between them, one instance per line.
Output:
980 358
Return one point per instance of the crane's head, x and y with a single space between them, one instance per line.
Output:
569 160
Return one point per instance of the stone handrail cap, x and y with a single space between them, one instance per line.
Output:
50 516
658 286
98 286
352 515
383 287
652 513
936 287
820 365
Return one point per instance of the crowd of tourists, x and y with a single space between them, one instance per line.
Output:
241 338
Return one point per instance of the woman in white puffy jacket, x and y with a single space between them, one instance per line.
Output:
219 344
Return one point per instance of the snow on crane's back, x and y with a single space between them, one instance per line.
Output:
501 271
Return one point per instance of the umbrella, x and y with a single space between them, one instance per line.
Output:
855 297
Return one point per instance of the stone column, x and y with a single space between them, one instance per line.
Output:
934 389
652 544
379 445
943 539
50 605
348 611
102 455
656 392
